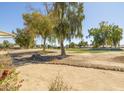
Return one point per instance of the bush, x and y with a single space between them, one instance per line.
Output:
8 76
82 44
58 84
24 39
6 44
72 45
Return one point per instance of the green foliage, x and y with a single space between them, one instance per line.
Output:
58 84
24 39
6 44
62 21
116 35
9 80
69 21
106 34
72 45
82 43
39 24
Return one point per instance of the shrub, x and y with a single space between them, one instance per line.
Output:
24 39
58 84
5 61
72 45
6 44
8 76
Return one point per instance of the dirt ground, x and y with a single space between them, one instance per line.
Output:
38 76
117 57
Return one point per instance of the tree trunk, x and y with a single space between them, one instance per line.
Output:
103 46
62 48
111 46
115 45
119 45
44 44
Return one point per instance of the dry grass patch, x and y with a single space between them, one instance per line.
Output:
8 76
58 84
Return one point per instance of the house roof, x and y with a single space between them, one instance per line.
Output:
5 34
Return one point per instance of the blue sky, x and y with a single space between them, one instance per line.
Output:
11 16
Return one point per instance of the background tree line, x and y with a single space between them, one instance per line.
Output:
63 21
106 35
81 44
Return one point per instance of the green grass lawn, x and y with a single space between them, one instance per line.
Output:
88 50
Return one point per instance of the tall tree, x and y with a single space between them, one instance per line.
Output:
69 22
39 25
106 34
103 32
95 33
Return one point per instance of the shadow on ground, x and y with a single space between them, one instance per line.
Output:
20 54
37 59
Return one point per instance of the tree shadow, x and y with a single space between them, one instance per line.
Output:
20 54
38 59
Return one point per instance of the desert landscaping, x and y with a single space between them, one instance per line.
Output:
38 74
61 46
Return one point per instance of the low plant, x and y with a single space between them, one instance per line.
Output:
9 80
6 44
58 84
